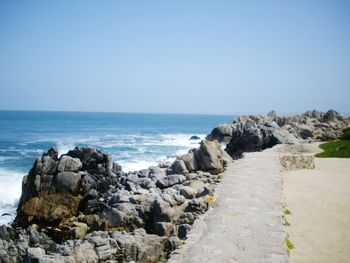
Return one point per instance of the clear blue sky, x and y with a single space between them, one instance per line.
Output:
175 56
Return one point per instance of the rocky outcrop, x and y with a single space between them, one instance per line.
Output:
209 157
83 208
55 187
256 132
98 246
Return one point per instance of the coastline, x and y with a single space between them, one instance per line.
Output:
81 206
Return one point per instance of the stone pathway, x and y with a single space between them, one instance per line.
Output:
245 223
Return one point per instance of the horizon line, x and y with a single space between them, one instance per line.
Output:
168 113
123 112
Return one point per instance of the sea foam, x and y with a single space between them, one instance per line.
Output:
10 192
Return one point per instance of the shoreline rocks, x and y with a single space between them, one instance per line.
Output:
83 201
257 132
81 206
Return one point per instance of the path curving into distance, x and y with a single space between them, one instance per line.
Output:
245 223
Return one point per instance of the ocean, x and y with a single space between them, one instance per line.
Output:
135 140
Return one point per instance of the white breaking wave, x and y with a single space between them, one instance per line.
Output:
63 148
131 166
7 158
179 140
10 192
144 151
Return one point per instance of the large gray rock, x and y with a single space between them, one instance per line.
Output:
85 252
167 209
190 162
210 157
222 133
49 165
170 180
68 182
187 191
69 164
141 247
179 167
90 157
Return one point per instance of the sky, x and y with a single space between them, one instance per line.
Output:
208 57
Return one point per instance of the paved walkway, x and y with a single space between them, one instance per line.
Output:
245 223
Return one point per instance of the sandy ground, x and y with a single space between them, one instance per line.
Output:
319 200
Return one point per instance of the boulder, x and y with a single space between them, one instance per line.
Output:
189 160
85 252
90 157
68 182
222 133
210 157
187 191
170 180
69 164
167 208
139 246
49 165
179 167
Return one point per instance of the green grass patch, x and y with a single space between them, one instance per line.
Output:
289 244
286 223
339 149
287 212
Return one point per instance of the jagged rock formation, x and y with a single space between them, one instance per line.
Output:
81 207
56 188
256 132
208 157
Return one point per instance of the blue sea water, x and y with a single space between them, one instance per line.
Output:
135 140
